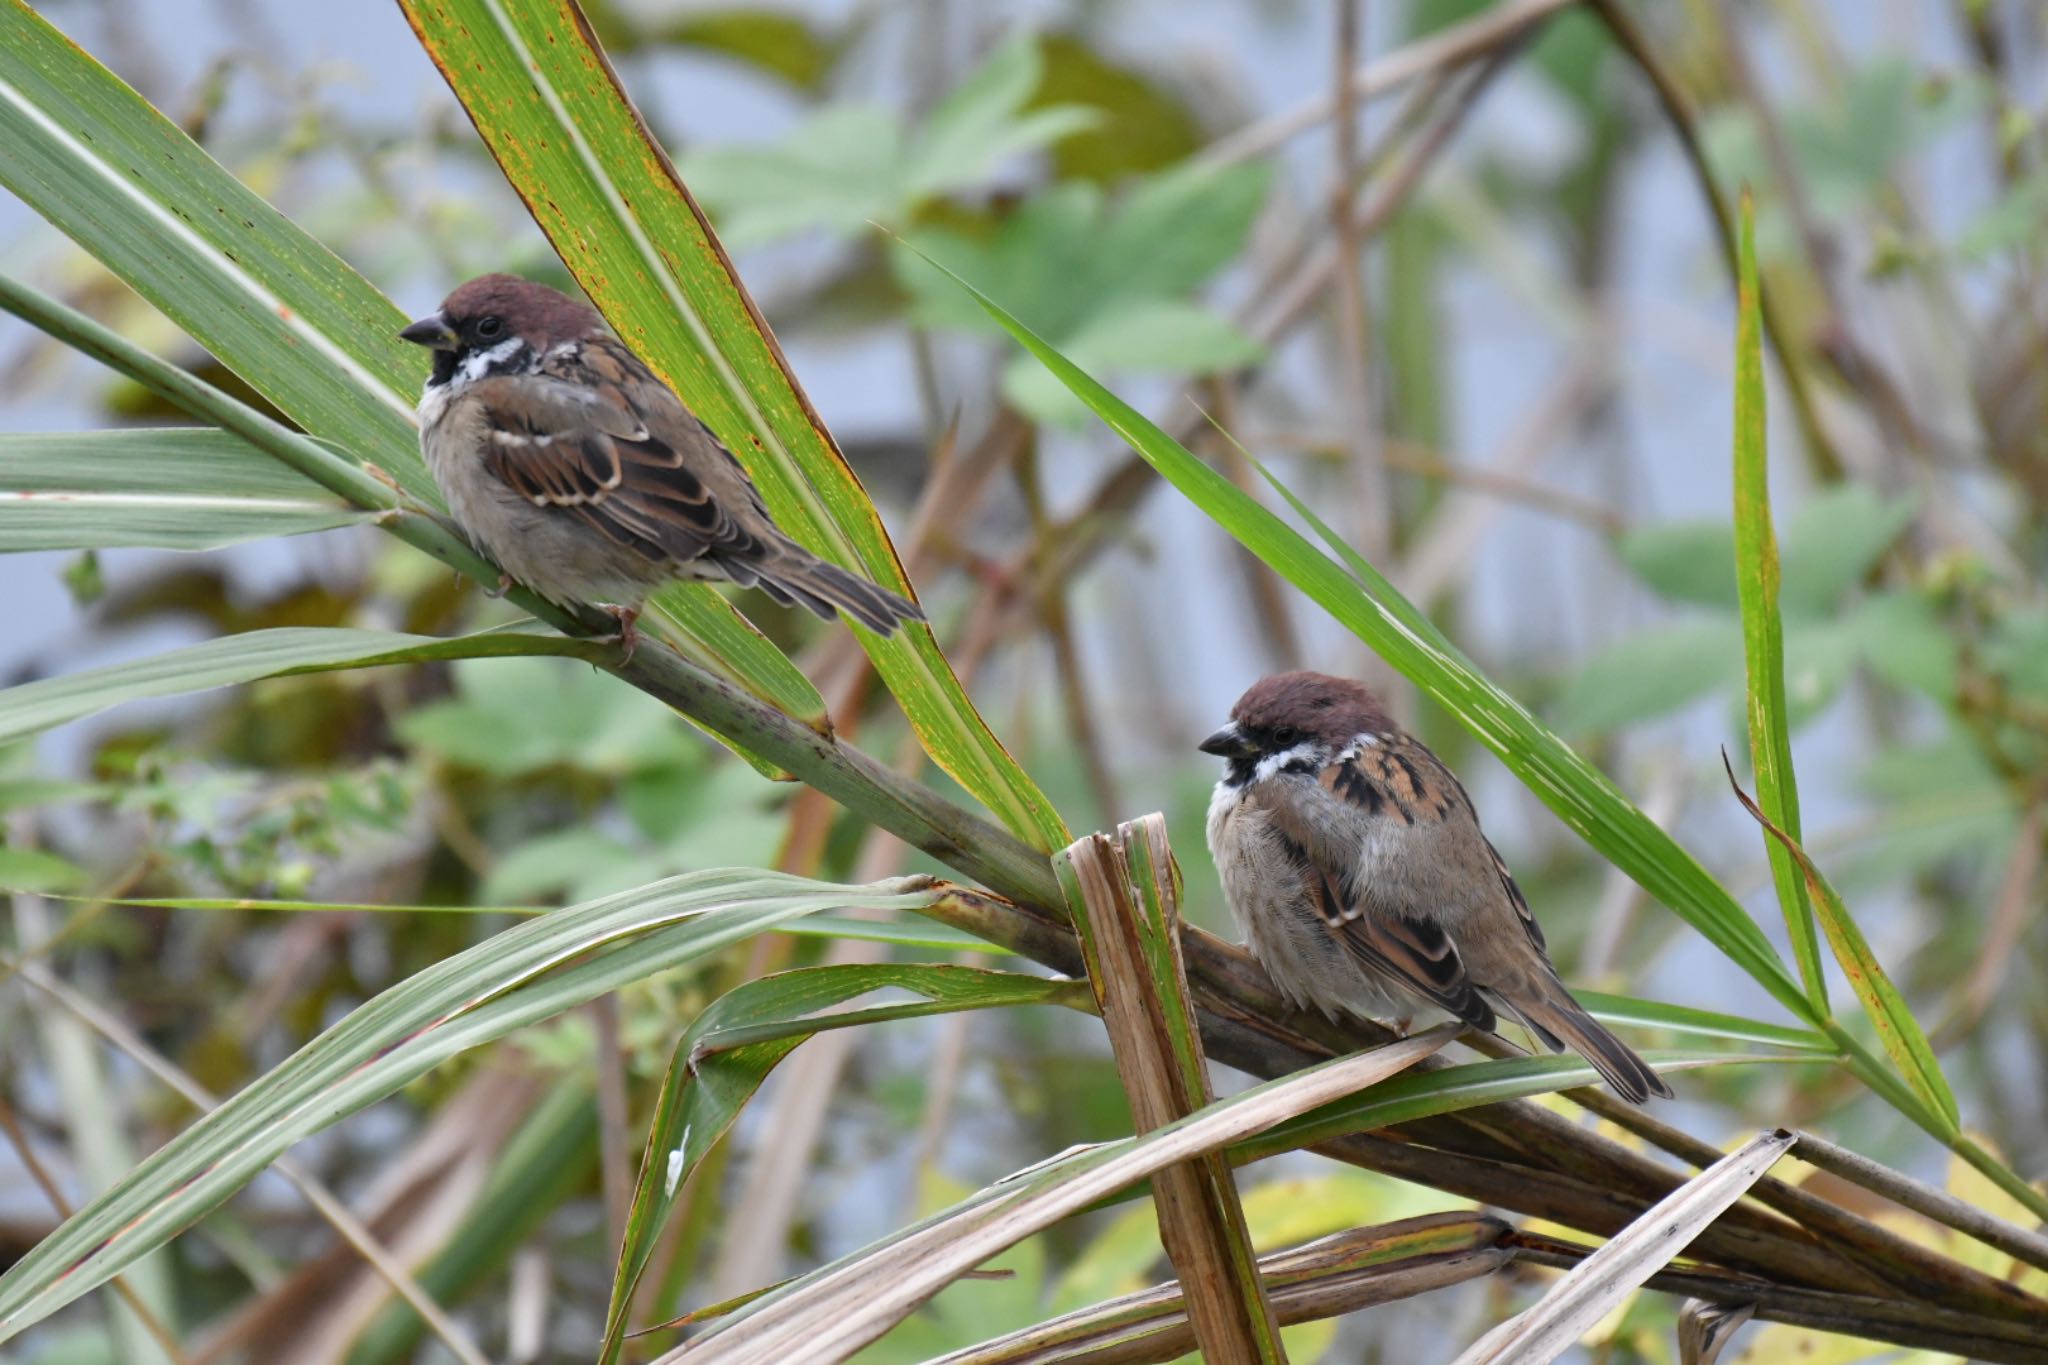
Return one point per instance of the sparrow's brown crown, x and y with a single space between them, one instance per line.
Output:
534 312
1312 706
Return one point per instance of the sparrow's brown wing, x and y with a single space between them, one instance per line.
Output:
1413 950
594 433
597 436
1515 898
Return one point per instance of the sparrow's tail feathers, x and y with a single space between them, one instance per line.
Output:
1559 1022
800 579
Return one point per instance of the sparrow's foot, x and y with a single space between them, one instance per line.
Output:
629 634
504 586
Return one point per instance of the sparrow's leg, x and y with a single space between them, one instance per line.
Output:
504 586
629 635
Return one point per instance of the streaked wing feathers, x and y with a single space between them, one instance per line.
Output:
1516 899
620 453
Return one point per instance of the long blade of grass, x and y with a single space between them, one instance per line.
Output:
174 489
1897 1030
550 108
274 305
1579 793
1592 1288
910 932
1425 1094
832 1312
1710 1025
1451 1089
1763 631
512 980
729 1049
38 705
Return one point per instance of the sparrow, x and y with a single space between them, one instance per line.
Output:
1356 870
564 459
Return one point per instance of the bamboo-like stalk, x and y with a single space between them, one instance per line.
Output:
1924 1199
1124 893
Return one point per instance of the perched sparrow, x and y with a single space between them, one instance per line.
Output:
1354 865
585 477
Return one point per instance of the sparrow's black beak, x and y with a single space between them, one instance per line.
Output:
432 332
1225 743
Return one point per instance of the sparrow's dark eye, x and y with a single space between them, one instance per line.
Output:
487 328
1285 735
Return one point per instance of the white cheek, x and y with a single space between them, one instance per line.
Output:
481 363
1274 763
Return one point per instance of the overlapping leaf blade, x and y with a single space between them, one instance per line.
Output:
1763 631
1598 1284
1904 1041
549 107
36 706
1709 1025
1424 1094
175 489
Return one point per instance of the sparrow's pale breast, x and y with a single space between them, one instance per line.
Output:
1263 883
536 545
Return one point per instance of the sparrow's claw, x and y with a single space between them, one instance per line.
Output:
629 634
504 586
